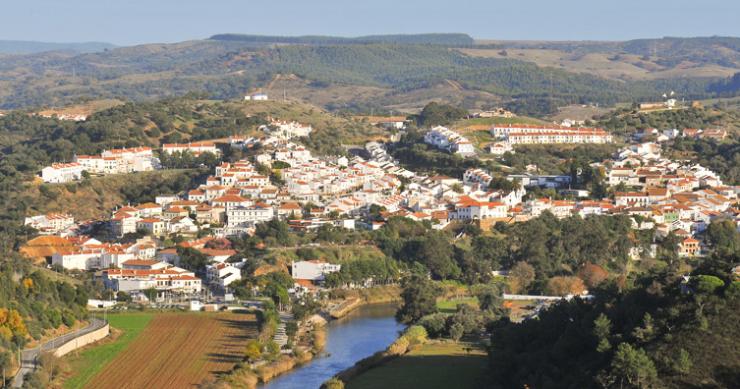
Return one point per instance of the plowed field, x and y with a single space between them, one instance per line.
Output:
179 350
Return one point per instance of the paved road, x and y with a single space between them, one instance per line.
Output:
29 355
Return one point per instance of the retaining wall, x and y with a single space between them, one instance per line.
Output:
82 341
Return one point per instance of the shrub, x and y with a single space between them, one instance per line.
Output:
333 383
399 347
416 335
434 324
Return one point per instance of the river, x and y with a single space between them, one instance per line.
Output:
363 332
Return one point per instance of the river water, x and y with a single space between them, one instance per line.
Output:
362 333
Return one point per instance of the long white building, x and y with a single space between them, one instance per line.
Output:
596 136
115 161
549 134
196 148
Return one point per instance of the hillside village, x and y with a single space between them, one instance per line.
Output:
410 211
284 180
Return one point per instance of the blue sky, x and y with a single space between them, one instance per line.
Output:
127 22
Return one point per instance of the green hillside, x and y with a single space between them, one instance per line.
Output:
397 67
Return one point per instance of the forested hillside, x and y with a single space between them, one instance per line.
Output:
661 331
30 304
229 65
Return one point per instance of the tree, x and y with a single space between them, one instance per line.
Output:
435 114
602 332
435 324
592 275
277 292
647 331
564 285
123 297
419 297
436 252
192 259
706 284
456 331
490 297
521 276
150 293
682 362
724 236
634 367
468 317
6 363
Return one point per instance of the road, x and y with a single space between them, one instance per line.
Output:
29 355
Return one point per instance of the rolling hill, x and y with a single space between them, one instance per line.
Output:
398 72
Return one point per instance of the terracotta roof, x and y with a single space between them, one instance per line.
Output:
140 262
229 199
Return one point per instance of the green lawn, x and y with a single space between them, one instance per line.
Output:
497 120
89 362
436 365
450 306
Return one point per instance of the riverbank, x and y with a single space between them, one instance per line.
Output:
414 361
413 337
310 340
436 364
360 334
356 298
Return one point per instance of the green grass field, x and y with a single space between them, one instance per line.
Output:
90 361
450 306
497 120
435 365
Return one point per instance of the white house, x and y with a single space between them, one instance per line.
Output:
631 199
62 172
470 209
256 97
313 270
223 274
446 139
249 215
77 259
51 223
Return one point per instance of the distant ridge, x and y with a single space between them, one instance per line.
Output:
31 47
444 39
